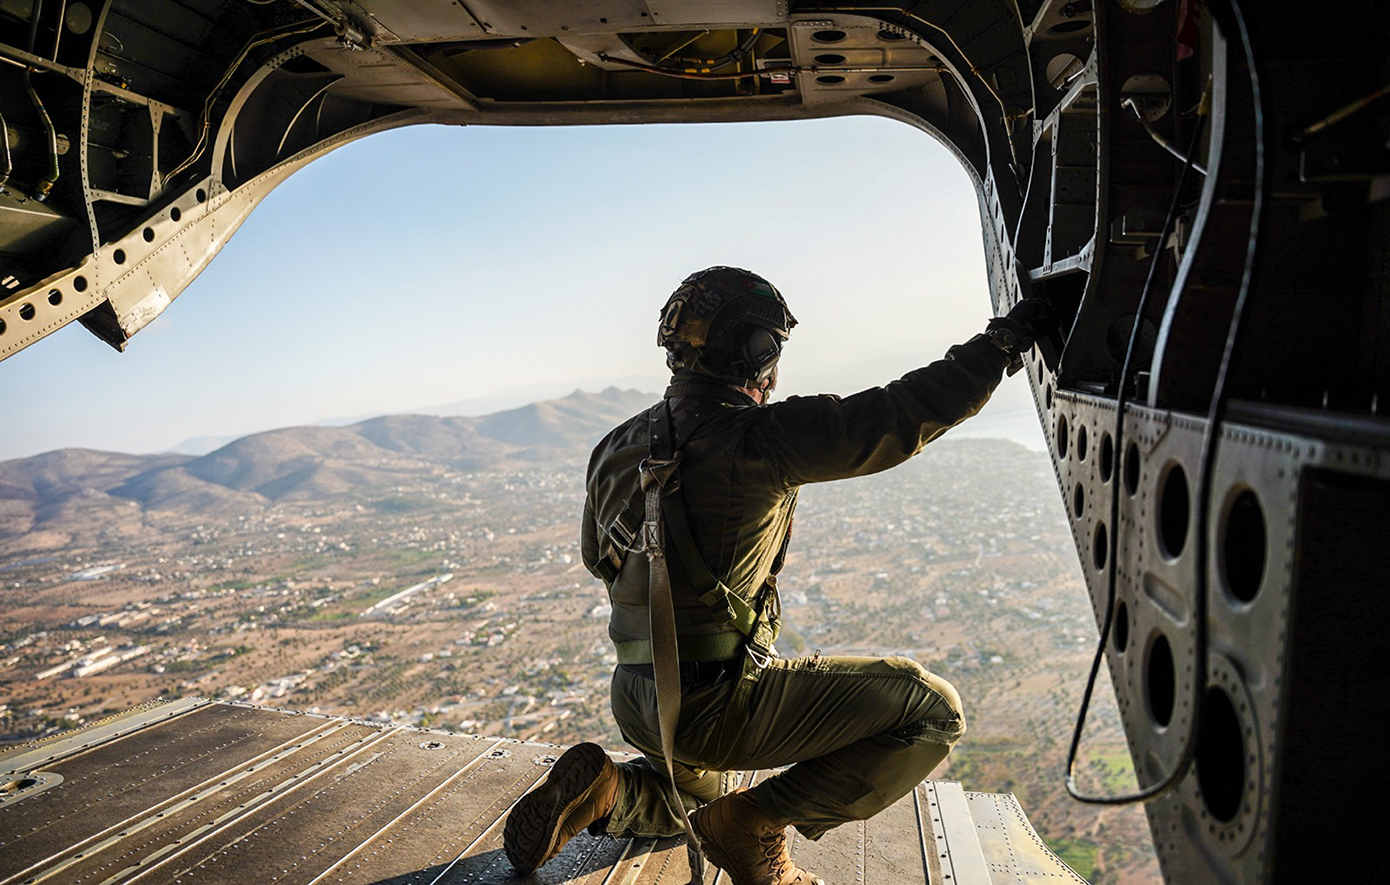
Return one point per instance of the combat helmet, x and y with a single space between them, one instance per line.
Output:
725 322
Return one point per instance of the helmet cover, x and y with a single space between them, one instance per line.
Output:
726 322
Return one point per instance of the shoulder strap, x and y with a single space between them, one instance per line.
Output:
688 562
695 568
622 532
687 555
659 471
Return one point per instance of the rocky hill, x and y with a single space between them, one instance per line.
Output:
304 463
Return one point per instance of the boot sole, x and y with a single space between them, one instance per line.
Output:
533 827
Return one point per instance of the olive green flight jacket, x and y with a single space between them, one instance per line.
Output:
741 467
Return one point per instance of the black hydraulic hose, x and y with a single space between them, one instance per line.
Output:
1112 572
1006 120
1216 413
710 65
5 152
44 187
1210 444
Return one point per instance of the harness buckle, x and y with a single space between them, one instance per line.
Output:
652 542
759 657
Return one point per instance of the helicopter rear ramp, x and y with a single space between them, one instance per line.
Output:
202 791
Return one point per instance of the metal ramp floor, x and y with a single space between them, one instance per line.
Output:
208 792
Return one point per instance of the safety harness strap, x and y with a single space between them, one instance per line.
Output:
687 559
697 573
658 471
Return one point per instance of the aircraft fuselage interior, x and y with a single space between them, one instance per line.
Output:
1202 191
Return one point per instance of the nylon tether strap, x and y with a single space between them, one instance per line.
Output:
658 472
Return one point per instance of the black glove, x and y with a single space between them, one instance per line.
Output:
1016 332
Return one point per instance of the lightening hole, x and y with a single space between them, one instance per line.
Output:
1160 681
1243 546
1174 511
1221 769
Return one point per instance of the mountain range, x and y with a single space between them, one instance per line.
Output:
305 463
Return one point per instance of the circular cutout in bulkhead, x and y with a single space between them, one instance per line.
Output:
1221 769
1174 511
1100 547
1244 545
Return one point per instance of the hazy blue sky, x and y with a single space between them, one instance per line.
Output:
434 264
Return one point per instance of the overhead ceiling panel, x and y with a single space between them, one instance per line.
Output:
716 12
419 21
536 18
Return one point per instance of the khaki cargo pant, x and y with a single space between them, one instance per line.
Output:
858 733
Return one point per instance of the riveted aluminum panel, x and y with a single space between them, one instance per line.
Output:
1016 855
216 792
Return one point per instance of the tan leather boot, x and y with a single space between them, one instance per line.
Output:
743 842
581 788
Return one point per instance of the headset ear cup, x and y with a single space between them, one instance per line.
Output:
760 351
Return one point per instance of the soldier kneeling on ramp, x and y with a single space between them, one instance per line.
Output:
687 521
